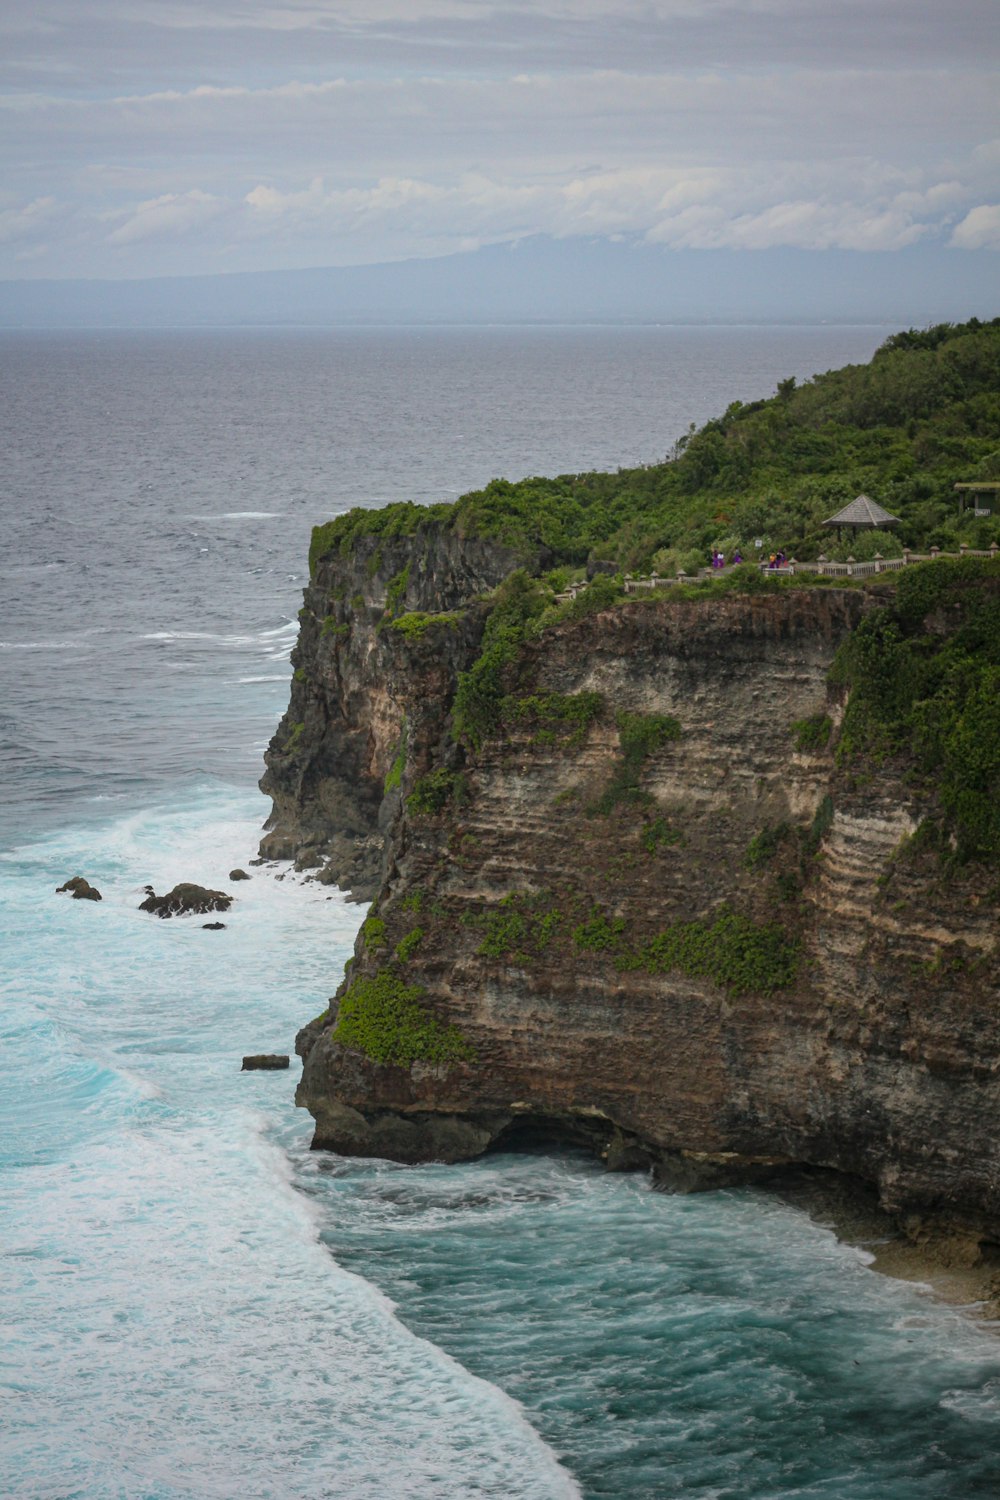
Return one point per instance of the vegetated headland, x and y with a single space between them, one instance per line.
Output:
706 880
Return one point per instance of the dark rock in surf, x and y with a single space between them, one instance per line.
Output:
238 875
264 1061
186 900
80 889
213 926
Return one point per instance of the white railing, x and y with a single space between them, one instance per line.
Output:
848 569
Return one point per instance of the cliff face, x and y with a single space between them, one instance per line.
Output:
658 918
360 689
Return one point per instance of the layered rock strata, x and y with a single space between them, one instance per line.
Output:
724 957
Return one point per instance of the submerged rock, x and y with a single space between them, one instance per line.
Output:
263 1061
186 900
213 926
238 875
80 889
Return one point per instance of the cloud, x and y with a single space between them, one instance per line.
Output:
28 220
167 217
704 208
979 230
280 132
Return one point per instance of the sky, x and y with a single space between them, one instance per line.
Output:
177 137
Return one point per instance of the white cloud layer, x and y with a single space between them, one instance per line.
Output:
157 136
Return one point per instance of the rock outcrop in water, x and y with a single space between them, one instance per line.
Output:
80 889
186 900
647 911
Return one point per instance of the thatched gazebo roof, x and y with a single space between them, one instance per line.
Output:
861 513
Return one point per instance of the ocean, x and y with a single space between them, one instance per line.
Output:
195 1305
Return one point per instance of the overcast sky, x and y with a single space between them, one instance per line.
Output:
152 137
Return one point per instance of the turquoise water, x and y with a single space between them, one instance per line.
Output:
195 1305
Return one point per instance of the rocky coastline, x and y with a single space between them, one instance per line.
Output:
649 912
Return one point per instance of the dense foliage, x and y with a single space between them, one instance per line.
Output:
924 675
384 1018
922 415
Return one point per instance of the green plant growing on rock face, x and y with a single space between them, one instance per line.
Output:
764 845
383 1018
396 591
480 693
658 834
394 775
742 956
819 828
557 718
601 593
331 627
291 745
407 946
373 932
521 926
924 680
812 734
417 623
435 792
599 934
638 735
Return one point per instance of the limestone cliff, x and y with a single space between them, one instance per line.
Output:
646 911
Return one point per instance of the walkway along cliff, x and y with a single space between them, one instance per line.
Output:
660 876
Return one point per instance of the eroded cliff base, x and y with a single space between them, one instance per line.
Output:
630 894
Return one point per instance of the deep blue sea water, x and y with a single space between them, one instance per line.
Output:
194 1305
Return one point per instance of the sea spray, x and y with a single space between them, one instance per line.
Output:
175 1326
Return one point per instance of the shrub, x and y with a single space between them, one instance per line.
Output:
384 1018
821 824
556 716
520 926
598 934
479 697
812 734
934 699
434 792
407 946
638 735
373 932
416 623
742 956
764 845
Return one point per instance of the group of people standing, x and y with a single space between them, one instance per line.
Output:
719 558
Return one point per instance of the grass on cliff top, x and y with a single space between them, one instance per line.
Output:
923 414
924 680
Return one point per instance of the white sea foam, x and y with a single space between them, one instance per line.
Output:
72 645
173 1307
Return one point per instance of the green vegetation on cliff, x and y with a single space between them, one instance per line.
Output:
924 679
742 956
638 735
923 414
384 1018
556 718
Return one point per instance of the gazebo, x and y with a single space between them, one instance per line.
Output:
862 515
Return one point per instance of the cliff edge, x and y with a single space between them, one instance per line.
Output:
644 879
